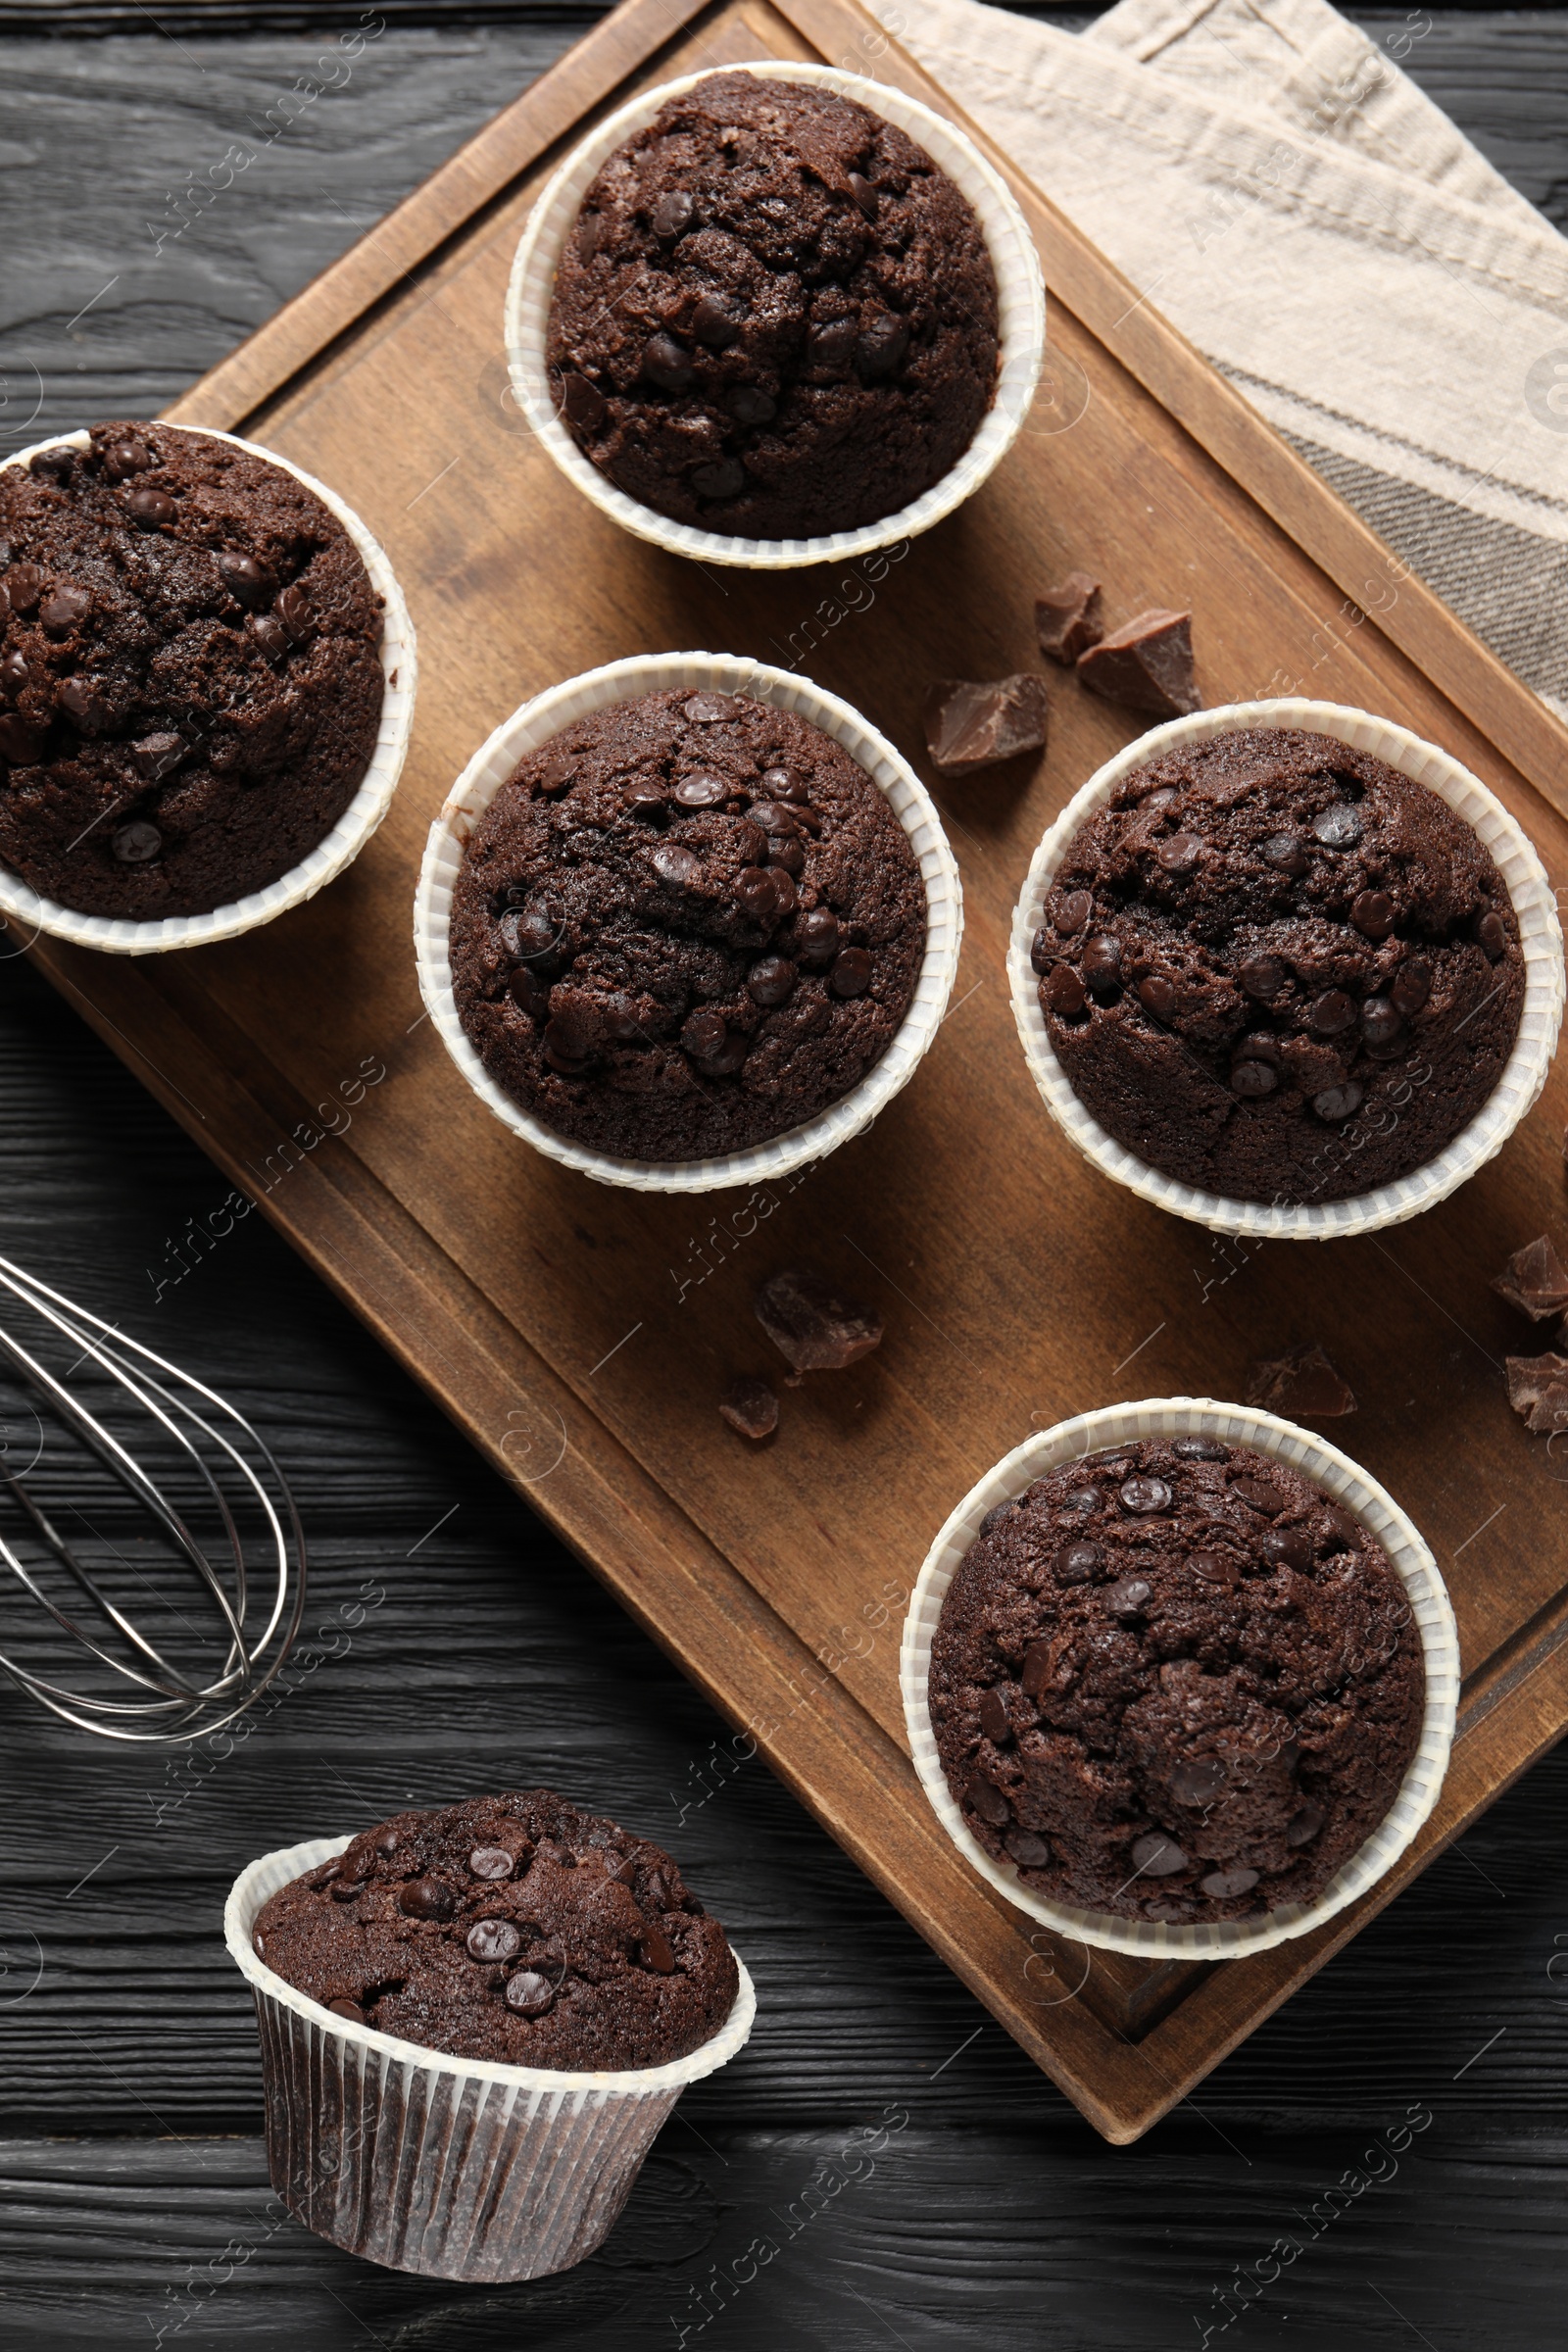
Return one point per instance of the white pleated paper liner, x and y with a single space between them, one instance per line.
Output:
623 681
1338 1477
1523 1076
118 935
451 2167
1021 312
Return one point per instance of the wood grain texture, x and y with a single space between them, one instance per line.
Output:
441 1231
1004 2220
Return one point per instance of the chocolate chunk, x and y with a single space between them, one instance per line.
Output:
787 851
1156 1856
814 1324
1027 1848
1223 1885
985 1799
1533 1281
1146 666
654 1951
1302 1381
14 670
1145 1494
582 404
1067 618
1199 1781
24 585
880 345
1128 1595
704 1033
969 725
529 1993
154 756
81 702
348 2010
490 1862
493 1939
1338 827
750 1407
426 1898
1537 1390
1177 853
63 611
994 1719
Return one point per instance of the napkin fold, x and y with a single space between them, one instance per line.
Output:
1272 181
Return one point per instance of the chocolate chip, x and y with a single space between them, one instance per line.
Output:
1199 1781
750 1407
153 755
1144 1494
787 852
269 634
655 1953
673 214
994 1719
122 459
1381 1024
1265 1498
1067 618
1037 1668
493 1939
245 579
1338 826
725 478
677 867
1128 1597
1287 1548
707 710
529 935
1063 992
386 1842
568 1041
24 585
293 609
1147 666
1262 977
645 796
755 890
80 701
529 1993
1372 913
1077 1563
775 816
704 1033
865 194
1073 913
702 791
850 976
1199 1450
814 1324
1342 1525
426 1898
831 344
150 509
65 611
582 404
969 725
1331 1013
1223 1885
348 2010
1027 1848
817 939
1412 985
784 785
1304 1825
880 345
1302 1381
1179 853
1492 935
1082 1499
1252 1080
136 843
1337 1102
1156 1856
985 1799
667 364
1287 853
490 1862
717 320
1212 1566
346 1890
1100 964
55 465
771 981
14 673
749 403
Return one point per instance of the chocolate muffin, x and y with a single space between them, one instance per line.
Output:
684 925
1175 1682
512 1930
1276 968
190 676
775 315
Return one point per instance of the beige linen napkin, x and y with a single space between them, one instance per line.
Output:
1285 194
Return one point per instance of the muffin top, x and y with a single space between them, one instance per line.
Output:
514 1930
684 925
1175 1682
775 315
1276 968
190 674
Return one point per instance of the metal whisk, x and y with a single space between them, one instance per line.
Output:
87 1417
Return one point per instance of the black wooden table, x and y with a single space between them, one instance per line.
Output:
1420 2078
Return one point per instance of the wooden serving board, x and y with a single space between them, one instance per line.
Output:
581 1336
